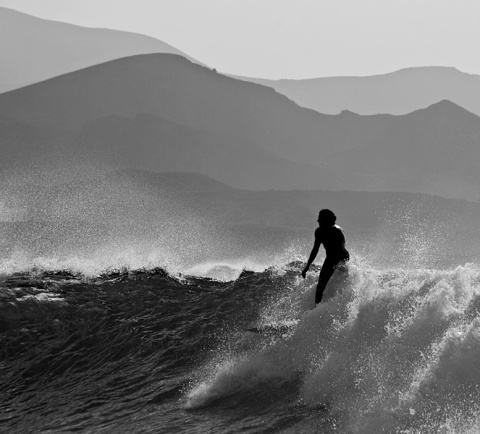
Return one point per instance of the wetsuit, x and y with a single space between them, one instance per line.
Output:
333 240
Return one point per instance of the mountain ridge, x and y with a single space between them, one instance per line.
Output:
163 112
174 88
398 92
58 48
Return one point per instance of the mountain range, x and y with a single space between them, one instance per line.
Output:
434 150
162 112
399 92
58 48
173 88
34 49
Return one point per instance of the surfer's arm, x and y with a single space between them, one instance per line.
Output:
313 254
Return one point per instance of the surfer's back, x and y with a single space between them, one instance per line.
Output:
333 239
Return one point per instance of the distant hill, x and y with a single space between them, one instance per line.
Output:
161 112
34 49
435 150
173 88
398 92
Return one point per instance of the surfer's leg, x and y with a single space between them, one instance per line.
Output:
325 273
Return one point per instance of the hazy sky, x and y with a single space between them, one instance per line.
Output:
291 38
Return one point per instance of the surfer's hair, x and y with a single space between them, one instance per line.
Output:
327 216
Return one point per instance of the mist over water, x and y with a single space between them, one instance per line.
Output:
89 217
90 220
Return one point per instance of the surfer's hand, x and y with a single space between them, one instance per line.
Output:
304 272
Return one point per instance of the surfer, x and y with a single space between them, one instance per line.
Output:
333 239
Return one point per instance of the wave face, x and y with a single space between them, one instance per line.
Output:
390 350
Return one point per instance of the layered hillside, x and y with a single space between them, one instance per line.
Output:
162 112
33 49
399 92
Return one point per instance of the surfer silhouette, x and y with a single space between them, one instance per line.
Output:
333 239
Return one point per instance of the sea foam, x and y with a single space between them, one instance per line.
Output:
392 350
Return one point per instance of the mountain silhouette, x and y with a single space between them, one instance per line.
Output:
34 49
398 92
161 112
58 48
434 150
175 89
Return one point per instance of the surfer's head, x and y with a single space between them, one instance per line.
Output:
326 218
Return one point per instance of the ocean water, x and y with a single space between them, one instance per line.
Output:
148 349
124 307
